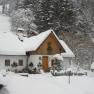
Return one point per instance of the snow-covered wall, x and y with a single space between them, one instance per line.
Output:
12 59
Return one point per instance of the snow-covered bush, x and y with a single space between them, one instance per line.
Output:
57 63
31 64
3 72
3 89
1 86
14 66
26 70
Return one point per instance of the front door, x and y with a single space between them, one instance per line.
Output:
45 63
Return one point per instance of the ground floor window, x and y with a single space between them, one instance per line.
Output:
7 62
20 62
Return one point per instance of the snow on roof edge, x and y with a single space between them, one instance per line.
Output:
42 36
68 52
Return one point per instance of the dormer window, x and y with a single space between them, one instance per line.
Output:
49 49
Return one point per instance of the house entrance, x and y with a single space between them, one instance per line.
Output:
45 63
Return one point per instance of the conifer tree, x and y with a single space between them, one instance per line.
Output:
26 3
58 15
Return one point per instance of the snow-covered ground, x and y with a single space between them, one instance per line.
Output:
48 84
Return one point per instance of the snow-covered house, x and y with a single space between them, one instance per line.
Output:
37 49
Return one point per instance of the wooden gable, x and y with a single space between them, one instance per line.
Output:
50 46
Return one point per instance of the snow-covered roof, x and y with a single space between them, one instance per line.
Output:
68 52
32 43
20 29
11 45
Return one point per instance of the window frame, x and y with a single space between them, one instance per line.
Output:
20 62
7 62
49 48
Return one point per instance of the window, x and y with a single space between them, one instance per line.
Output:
20 62
7 62
49 49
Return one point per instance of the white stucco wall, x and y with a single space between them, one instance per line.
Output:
35 60
12 59
67 62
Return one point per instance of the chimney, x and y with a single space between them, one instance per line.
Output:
20 37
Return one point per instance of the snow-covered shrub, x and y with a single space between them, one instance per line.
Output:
69 72
39 66
56 66
3 89
14 66
26 70
1 86
62 73
57 61
31 64
3 72
36 70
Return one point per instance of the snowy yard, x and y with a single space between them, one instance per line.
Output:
48 84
